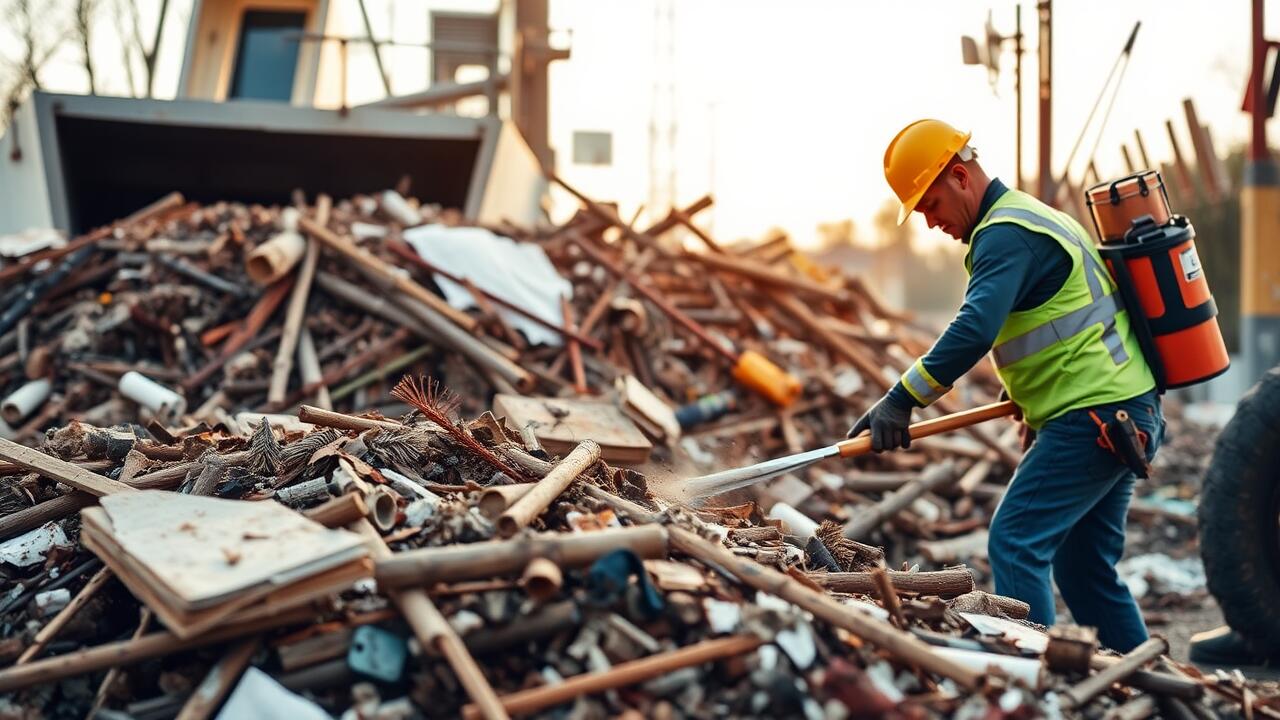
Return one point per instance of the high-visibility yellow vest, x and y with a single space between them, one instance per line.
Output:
1075 350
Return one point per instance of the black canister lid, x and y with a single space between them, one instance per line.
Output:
1146 237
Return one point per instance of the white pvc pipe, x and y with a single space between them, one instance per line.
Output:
1025 669
25 400
800 524
166 404
399 209
273 259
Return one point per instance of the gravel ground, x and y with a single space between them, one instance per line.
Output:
1180 624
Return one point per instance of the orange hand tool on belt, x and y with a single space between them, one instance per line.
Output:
1123 438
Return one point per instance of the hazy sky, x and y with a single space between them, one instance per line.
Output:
806 95
784 107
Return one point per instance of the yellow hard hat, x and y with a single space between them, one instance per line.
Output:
916 156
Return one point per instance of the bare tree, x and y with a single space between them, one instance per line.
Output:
38 37
25 19
148 53
81 27
119 9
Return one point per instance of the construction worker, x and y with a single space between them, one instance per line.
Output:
1040 300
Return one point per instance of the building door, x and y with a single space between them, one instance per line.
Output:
267 56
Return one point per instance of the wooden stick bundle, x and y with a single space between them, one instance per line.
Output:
529 507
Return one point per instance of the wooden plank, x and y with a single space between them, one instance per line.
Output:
560 424
61 470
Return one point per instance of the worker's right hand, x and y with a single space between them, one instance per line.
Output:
889 424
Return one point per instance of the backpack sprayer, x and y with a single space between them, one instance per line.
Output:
1151 254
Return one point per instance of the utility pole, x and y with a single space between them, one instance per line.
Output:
989 54
530 93
1260 228
1046 180
1017 85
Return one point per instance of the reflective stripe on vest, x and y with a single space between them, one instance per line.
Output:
1102 310
921 384
1077 321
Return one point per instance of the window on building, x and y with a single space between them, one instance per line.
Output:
459 40
592 148
267 57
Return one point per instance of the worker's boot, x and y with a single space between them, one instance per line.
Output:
1224 646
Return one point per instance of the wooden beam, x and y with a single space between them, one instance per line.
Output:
60 470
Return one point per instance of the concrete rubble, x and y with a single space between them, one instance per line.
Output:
478 470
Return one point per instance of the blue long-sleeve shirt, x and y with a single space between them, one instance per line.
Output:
1013 269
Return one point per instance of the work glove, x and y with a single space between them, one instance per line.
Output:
888 423
1026 436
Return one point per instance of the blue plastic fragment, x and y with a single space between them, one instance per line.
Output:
377 653
610 576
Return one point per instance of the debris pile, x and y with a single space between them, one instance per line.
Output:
495 576
361 549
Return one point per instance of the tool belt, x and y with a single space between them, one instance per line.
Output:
1122 438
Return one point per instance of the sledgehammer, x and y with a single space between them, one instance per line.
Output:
724 481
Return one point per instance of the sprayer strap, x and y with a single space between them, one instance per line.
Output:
1102 309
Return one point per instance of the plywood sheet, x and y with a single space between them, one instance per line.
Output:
560 424
206 550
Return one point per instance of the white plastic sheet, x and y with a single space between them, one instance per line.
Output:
1021 635
259 697
520 273
30 548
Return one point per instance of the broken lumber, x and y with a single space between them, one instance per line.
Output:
942 583
218 682
433 631
546 490
50 631
392 275
1080 694
898 644
127 652
629 673
868 519
484 560
60 470
296 309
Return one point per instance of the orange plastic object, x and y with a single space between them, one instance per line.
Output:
758 373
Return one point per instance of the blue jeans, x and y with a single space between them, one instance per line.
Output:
1065 510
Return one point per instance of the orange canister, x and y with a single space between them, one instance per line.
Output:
1159 276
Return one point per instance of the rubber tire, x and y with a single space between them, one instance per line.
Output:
1239 527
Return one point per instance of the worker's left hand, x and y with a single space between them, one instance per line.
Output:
888 423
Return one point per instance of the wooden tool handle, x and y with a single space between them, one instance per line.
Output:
861 445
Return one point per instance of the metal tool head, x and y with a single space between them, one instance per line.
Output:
699 488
